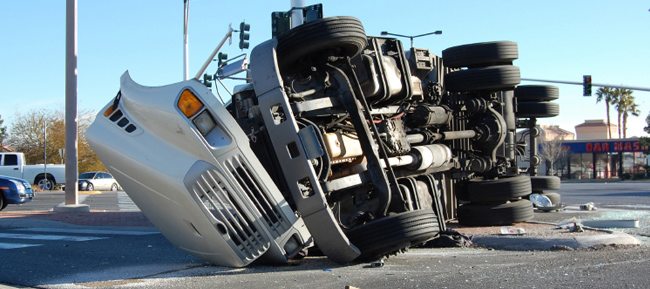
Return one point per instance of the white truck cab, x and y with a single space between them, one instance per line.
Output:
188 166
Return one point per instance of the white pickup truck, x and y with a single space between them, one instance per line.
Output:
45 176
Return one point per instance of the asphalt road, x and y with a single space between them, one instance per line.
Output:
48 254
631 195
148 262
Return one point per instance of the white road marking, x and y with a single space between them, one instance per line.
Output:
49 237
5 246
125 203
88 231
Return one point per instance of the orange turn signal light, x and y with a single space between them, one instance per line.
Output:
189 104
109 111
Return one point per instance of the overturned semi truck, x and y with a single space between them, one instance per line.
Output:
337 140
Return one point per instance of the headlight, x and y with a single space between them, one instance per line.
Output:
19 186
204 122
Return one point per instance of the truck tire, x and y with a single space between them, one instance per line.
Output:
392 233
536 93
499 190
341 36
3 203
45 183
495 214
493 78
542 183
537 109
480 54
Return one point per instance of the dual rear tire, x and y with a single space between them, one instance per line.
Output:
496 202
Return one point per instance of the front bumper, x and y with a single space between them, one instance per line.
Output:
12 196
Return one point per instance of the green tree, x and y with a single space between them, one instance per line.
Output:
27 136
625 105
606 95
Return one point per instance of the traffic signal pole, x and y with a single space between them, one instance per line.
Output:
214 53
592 84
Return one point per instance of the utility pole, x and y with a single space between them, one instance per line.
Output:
71 120
186 52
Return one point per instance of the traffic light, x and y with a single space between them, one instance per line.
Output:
244 35
221 58
586 85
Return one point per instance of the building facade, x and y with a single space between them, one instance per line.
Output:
594 155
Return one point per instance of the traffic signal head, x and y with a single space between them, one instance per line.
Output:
586 85
244 35
221 58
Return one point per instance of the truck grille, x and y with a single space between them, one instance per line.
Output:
225 205
257 196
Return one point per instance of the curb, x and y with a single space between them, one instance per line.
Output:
522 243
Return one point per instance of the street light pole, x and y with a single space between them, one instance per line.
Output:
71 120
411 37
186 49
71 124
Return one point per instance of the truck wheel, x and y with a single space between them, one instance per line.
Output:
390 234
495 214
3 203
45 183
536 93
499 190
340 36
542 183
480 54
493 78
537 109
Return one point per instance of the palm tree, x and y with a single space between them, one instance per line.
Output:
606 94
625 106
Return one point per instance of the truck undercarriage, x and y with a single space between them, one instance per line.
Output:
373 147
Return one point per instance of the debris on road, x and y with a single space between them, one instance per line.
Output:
574 225
588 207
509 230
540 200
377 264
449 239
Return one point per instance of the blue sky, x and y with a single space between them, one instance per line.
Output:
558 40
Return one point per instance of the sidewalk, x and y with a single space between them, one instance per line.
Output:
92 218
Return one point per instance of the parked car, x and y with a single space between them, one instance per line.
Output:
97 181
46 177
14 191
